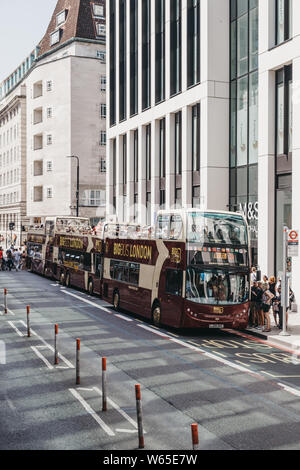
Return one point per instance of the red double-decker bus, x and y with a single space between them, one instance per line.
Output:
193 272
67 250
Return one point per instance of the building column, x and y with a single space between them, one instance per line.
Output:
154 169
142 184
170 161
186 157
119 177
266 172
130 176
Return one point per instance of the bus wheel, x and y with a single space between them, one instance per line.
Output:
116 300
62 279
90 287
156 315
68 283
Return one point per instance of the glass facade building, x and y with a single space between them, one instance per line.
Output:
243 187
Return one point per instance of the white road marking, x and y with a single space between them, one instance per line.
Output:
202 351
15 328
88 302
37 352
90 410
290 389
127 431
66 361
122 317
114 405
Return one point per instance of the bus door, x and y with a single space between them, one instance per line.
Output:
170 295
98 267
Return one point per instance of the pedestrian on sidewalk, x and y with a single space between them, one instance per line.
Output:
259 311
253 275
10 261
253 303
17 258
266 305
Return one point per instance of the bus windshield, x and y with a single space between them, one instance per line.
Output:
216 287
212 228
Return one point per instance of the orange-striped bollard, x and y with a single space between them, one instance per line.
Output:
104 401
77 361
5 300
195 437
139 416
28 321
55 344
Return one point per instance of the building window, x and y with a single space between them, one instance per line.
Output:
61 18
49 85
283 21
159 50
122 60
49 113
193 42
162 149
101 29
49 165
49 192
55 37
103 83
196 137
103 165
124 163
93 198
102 138
146 54
136 156
112 62
49 139
178 144
175 47
101 55
134 56
37 193
98 10
103 110
284 111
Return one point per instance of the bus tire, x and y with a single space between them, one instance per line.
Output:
90 287
68 280
116 300
156 314
62 279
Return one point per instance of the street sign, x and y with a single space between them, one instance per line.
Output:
293 243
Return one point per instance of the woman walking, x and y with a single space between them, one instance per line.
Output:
266 305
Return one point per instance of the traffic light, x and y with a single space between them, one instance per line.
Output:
11 225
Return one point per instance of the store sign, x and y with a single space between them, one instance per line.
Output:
250 211
293 243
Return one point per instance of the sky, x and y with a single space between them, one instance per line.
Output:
23 23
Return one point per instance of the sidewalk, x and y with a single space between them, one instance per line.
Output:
290 342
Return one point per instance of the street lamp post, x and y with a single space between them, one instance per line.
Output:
77 185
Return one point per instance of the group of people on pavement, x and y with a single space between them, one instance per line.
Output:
12 258
266 298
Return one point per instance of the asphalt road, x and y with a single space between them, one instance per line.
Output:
242 392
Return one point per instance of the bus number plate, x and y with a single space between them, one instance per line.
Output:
216 326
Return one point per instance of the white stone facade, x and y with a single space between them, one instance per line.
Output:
64 119
13 166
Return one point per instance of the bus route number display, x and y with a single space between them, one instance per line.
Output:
293 243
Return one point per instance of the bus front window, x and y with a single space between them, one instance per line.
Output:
216 287
206 227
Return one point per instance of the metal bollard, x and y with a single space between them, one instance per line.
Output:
195 437
28 321
77 361
55 344
139 416
104 401
5 301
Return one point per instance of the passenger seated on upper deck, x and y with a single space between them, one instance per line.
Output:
194 235
219 234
